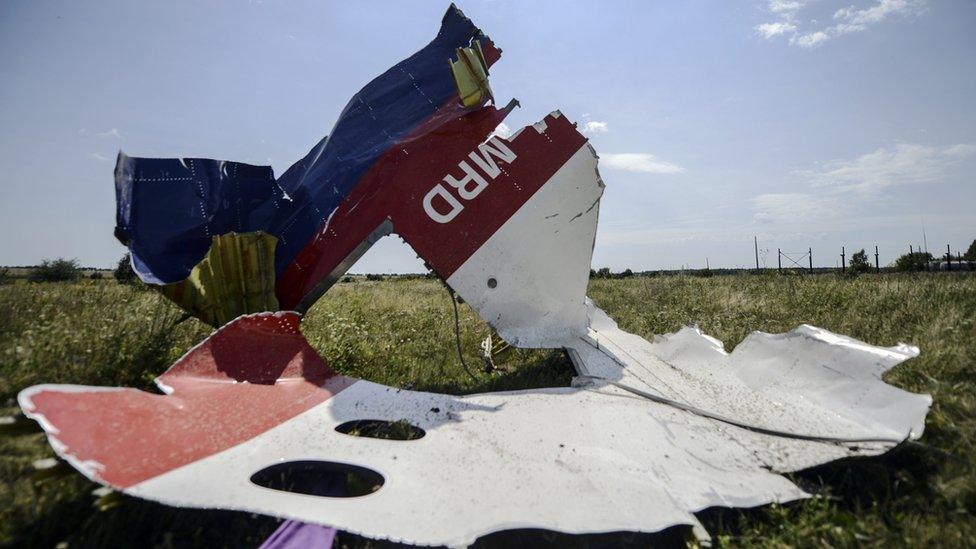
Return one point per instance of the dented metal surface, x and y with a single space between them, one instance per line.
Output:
650 432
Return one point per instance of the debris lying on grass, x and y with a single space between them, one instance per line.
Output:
253 419
578 459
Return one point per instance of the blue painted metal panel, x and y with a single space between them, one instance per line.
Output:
168 209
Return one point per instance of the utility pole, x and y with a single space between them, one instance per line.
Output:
843 265
948 258
779 261
755 241
877 267
810 255
910 249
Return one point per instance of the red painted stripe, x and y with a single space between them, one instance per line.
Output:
446 246
375 198
364 209
250 376
396 185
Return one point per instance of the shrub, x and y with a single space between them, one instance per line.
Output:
56 270
915 261
859 263
95 276
971 252
123 271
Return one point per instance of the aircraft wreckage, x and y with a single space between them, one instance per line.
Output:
650 432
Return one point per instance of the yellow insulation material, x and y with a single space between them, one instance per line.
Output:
471 75
237 276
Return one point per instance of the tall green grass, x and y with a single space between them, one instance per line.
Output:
401 333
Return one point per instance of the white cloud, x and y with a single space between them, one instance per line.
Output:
846 20
98 157
960 151
845 187
786 8
769 30
588 125
503 131
902 164
638 162
879 12
796 207
809 40
114 132
595 126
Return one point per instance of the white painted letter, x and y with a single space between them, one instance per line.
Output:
455 205
484 160
470 176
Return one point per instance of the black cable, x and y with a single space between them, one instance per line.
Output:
457 334
763 430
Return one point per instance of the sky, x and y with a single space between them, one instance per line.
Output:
806 123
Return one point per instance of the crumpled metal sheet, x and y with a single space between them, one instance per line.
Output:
589 458
807 397
168 210
650 433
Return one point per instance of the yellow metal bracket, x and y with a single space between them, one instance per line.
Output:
471 75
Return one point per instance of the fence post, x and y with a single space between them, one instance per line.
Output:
810 255
755 242
877 267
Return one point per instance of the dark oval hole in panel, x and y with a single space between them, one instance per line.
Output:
381 429
319 478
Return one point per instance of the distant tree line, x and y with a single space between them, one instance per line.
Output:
56 270
604 272
69 270
919 261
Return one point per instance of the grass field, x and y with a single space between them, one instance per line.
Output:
400 333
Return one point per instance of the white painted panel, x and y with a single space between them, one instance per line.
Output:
539 260
808 382
572 460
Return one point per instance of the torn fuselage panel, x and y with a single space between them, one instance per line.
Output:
499 460
514 211
168 210
589 458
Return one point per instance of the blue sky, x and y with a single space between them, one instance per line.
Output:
810 123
